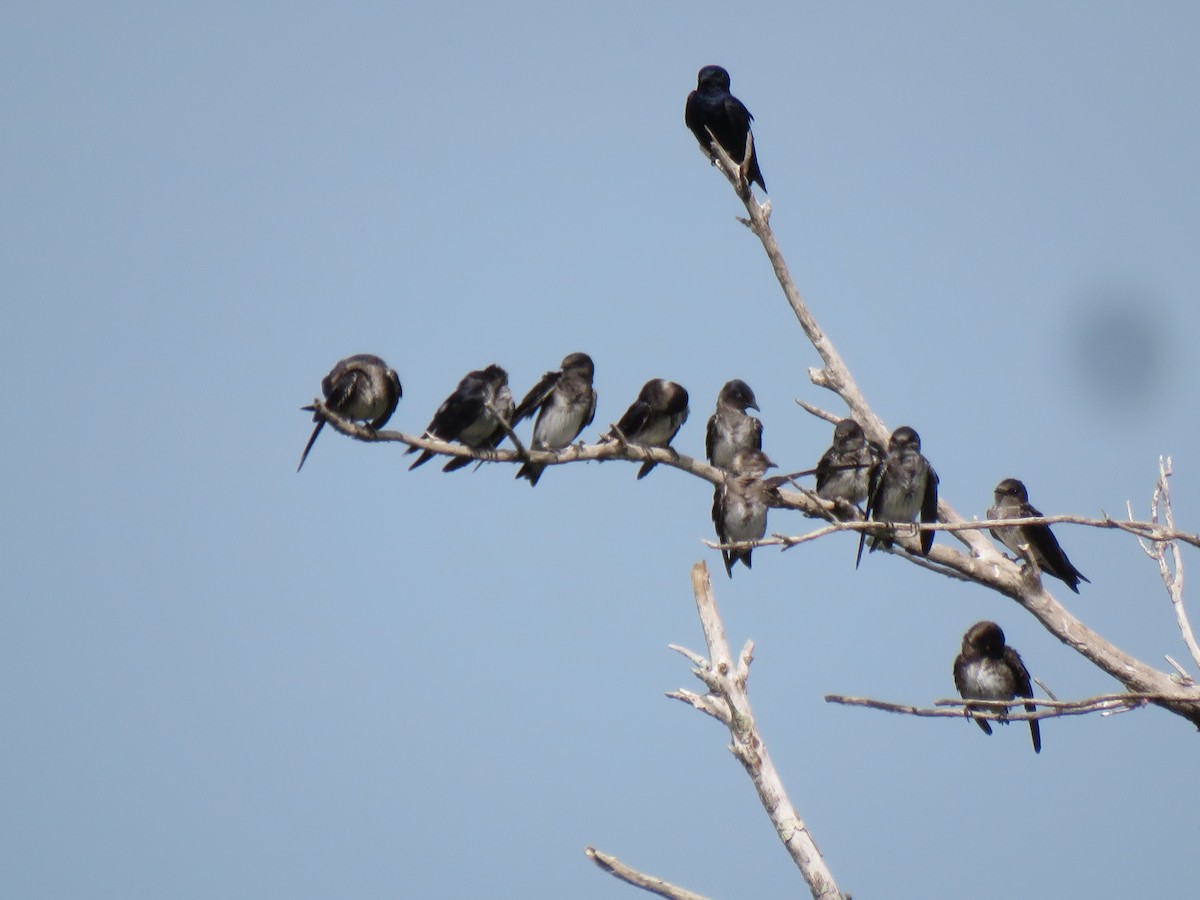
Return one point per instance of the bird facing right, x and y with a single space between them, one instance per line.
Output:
469 415
362 388
565 403
654 419
1012 502
988 669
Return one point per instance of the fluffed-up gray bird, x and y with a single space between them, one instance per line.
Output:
731 428
844 471
741 502
1012 502
470 415
903 487
565 403
362 388
988 669
654 418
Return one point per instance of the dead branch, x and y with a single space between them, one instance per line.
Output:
728 700
997 710
618 869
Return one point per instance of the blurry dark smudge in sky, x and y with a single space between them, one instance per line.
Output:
1120 340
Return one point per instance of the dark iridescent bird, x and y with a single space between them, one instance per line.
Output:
844 472
465 416
654 418
730 428
902 487
361 388
1012 502
988 669
710 107
565 404
740 503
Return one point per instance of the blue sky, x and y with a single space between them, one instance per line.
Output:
221 678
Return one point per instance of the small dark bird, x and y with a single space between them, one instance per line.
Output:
844 472
711 108
902 486
654 418
730 428
565 404
740 503
1012 502
465 415
361 388
987 669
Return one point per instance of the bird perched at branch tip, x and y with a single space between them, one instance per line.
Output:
711 108
362 388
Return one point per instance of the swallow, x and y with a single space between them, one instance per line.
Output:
740 503
565 404
844 472
730 428
654 418
988 669
469 416
902 486
1012 502
711 108
361 388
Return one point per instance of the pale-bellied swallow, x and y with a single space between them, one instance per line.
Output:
902 487
730 428
988 669
361 388
565 404
465 415
844 472
740 503
710 107
654 418
1012 502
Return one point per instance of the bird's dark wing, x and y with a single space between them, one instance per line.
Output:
536 396
710 437
929 509
825 467
342 388
873 486
718 517
1049 554
635 419
1024 686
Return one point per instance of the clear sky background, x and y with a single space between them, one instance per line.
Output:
219 678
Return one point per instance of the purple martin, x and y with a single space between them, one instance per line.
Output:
469 415
565 404
711 108
361 388
730 428
902 486
654 418
740 503
844 472
987 669
1012 502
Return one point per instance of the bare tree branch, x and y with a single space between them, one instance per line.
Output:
618 869
729 702
995 709
1171 573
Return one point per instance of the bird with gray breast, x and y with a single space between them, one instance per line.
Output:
902 487
1012 502
565 403
730 428
471 415
361 388
654 418
989 669
844 471
741 502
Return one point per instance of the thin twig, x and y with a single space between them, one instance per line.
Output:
994 709
618 869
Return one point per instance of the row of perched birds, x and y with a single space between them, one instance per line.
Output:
898 484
